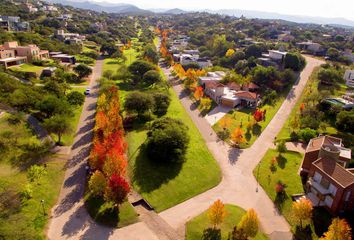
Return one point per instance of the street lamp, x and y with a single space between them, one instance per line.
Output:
42 203
257 176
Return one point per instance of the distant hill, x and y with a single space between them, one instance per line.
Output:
293 18
122 8
175 11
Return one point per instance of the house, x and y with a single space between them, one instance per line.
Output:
31 52
8 58
48 71
349 78
348 54
13 23
64 58
30 8
69 38
65 17
272 58
314 48
216 77
330 183
186 58
285 37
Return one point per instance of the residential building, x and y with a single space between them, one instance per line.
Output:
348 54
69 38
8 58
314 48
64 58
30 8
349 78
285 37
31 52
272 58
330 183
13 23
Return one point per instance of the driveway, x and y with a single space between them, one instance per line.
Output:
238 185
216 114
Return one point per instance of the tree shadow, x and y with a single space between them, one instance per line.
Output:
86 139
304 233
281 160
211 234
321 220
74 224
149 175
234 154
279 200
248 136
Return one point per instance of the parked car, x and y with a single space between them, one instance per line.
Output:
87 91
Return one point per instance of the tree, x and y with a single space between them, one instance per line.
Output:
162 102
117 189
229 52
216 213
150 54
51 105
333 53
139 68
281 147
302 210
237 136
58 124
167 140
110 49
205 103
254 50
35 173
258 115
238 234
97 183
198 93
345 121
138 102
307 134
294 61
82 70
249 223
338 230
330 76
114 164
151 77
75 98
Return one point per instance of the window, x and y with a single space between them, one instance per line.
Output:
332 189
328 201
324 183
317 177
347 195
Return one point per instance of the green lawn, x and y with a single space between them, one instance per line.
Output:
103 212
197 225
164 186
27 67
242 117
20 218
286 171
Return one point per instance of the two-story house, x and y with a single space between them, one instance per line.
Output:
32 52
329 182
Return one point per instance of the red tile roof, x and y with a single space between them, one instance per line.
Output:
234 86
335 171
316 143
246 94
251 85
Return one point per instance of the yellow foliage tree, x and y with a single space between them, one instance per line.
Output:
205 103
216 213
249 223
225 122
302 210
97 183
198 93
237 136
338 230
229 52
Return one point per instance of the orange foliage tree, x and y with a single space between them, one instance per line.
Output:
237 136
339 229
198 93
216 213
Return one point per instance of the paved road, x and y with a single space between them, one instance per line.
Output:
238 185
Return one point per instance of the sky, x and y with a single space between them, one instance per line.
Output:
316 8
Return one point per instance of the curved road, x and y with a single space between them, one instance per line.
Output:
69 219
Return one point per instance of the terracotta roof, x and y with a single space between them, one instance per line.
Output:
234 86
335 171
246 94
213 84
316 143
251 86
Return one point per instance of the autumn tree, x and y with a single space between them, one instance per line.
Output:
238 234
216 213
205 103
258 115
302 210
117 189
338 230
229 52
198 93
225 122
115 163
97 183
249 223
237 136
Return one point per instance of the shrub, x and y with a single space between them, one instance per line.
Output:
152 77
139 68
138 102
345 121
162 102
307 134
97 183
75 98
167 140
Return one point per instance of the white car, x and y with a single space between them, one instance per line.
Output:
87 91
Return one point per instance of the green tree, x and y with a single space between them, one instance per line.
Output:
139 68
151 77
75 98
345 121
151 54
294 61
35 173
281 147
138 102
162 102
333 53
57 124
307 134
82 70
51 105
167 140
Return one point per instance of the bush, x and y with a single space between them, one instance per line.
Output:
162 102
167 140
152 77
75 98
345 121
139 68
307 134
138 102
294 61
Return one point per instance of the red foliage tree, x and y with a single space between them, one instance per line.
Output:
258 115
117 189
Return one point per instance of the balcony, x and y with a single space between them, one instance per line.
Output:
318 186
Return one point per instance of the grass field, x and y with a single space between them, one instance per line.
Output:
164 186
286 171
197 225
27 67
242 117
20 218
